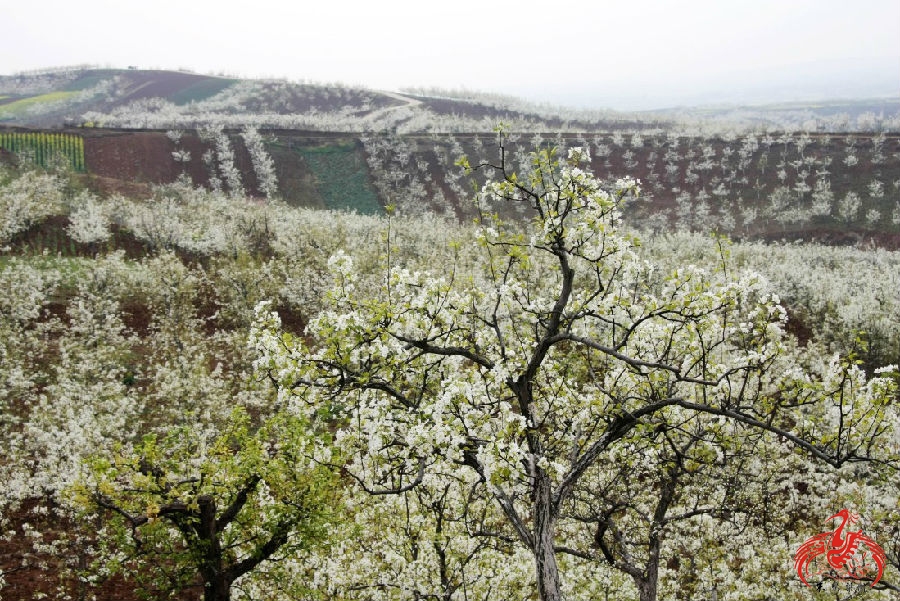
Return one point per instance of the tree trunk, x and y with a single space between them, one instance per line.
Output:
646 588
648 583
216 588
546 568
216 583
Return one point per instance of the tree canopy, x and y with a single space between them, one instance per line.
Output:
186 510
562 352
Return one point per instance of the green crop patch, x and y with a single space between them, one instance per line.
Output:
342 178
18 107
46 149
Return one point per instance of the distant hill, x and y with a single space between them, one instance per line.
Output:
153 99
134 98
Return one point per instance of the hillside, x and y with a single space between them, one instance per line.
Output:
155 99
135 98
829 171
834 188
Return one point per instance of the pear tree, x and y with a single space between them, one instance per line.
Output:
546 359
190 511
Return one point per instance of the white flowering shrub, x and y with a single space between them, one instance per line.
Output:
27 199
23 346
224 155
195 221
84 404
263 165
845 296
89 220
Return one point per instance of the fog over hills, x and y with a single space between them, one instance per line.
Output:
596 55
812 81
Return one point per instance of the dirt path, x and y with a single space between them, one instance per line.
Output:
379 113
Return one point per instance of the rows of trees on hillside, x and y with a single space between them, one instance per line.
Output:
183 100
337 108
209 395
768 185
785 185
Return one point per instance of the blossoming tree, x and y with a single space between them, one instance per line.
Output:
549 357
189 510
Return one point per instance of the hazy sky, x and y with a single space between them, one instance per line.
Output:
579 52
